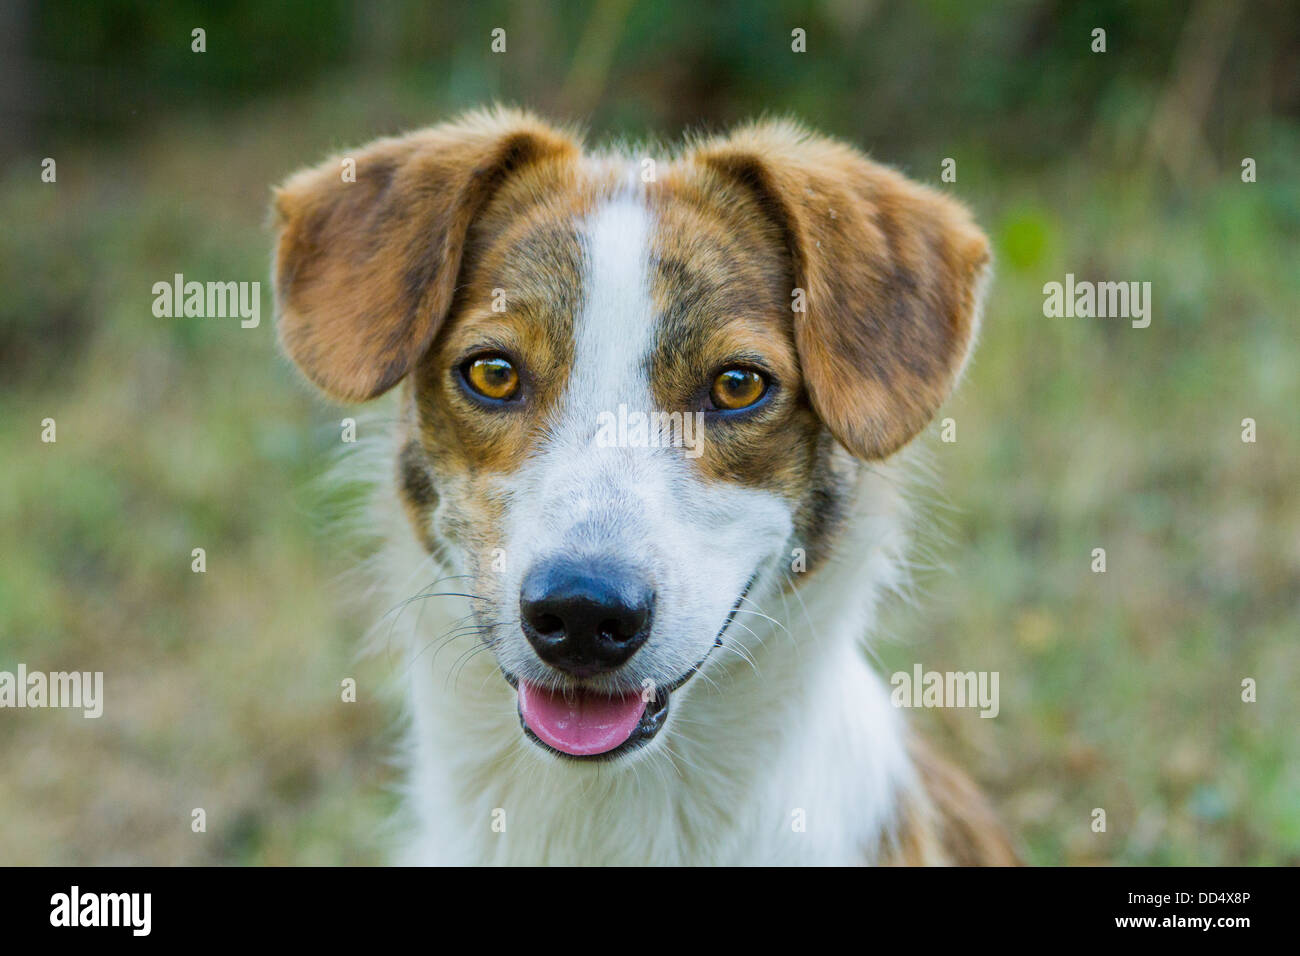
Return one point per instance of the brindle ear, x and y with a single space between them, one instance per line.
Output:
891 272
365 271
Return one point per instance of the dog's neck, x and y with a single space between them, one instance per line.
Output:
794 753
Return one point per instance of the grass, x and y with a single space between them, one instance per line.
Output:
1120 690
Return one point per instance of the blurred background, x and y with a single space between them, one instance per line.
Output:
1119 690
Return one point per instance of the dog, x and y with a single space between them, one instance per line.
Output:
661 647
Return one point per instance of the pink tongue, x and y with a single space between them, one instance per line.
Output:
583 724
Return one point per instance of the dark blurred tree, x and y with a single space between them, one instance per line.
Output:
1177 78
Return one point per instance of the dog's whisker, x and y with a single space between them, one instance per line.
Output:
765 616
456 633
754 607
424 595
812 629
679 757
396 611
730 644
463 662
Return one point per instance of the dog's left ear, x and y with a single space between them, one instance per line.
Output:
891 274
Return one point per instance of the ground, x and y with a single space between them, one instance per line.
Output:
1119 690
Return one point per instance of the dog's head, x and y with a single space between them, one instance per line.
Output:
631 392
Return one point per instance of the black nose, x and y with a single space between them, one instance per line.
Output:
585 618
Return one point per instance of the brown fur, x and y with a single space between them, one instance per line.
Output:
525 244
394 277
721 277
890 270
366 270
722 280
948 822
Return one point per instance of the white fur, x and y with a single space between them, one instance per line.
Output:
808 727
784 749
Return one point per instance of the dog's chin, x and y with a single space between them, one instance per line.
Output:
586 724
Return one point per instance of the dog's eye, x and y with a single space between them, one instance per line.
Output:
492 376
737 388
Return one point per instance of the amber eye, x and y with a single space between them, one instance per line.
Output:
737 388
492 377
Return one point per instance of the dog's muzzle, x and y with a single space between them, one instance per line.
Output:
585 620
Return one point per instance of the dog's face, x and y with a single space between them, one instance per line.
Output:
627 401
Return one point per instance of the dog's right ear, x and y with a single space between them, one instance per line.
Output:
365 270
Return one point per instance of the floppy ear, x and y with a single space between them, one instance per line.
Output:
365 271
891 273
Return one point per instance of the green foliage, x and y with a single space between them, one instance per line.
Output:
1119 690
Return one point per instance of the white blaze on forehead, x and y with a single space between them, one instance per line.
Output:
574 476
576 480
615 331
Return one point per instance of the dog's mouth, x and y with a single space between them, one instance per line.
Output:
586 724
